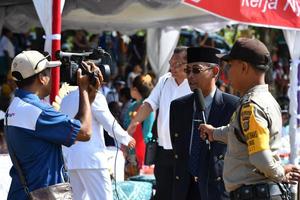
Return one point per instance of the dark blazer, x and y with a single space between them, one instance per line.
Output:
211 185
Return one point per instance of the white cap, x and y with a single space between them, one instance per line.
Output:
29 63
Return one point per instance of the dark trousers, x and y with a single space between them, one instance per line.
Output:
164 172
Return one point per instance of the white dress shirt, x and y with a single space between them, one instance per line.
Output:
91 154
165 91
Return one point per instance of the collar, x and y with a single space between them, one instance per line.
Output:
185 81
209 98
26 94
259 88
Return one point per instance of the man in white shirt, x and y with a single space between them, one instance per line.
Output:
169 87
87 162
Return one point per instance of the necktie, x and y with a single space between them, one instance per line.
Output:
194 157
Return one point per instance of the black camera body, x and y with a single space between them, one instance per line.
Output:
71 62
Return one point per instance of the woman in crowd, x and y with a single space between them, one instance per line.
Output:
140 89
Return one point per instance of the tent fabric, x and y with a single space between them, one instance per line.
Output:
96 16
44 10
126 16
162 43
294 48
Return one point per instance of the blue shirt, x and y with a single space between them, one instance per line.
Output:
35 132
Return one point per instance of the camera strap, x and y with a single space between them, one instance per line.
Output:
15 160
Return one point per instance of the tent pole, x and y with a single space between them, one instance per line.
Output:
56 29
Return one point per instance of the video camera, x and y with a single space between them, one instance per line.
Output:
71 62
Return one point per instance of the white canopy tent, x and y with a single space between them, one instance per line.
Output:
96 16
163 18
291 37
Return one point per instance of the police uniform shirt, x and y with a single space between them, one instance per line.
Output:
35 131
258 120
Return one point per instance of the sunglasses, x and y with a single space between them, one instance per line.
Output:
196 69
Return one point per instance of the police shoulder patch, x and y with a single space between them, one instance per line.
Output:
257 136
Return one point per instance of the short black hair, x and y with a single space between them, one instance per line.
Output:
181 49
30 80
125 92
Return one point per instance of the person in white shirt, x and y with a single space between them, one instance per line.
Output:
169 87
88 162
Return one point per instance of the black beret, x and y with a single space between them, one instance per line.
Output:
202 54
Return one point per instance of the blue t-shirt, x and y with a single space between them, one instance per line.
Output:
36 132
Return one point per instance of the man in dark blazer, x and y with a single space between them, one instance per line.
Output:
199 164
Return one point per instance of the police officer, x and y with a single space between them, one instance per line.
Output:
252 170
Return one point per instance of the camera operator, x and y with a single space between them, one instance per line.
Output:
87 162
35 131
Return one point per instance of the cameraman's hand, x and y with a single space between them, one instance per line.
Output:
82 80
93 88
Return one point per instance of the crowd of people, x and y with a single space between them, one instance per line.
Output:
223 149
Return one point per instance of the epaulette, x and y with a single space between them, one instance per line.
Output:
246 99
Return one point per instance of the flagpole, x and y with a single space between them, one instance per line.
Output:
56 30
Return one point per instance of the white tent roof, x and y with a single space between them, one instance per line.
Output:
96 16
137 16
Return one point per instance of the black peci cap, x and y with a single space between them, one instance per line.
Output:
249 50
202 54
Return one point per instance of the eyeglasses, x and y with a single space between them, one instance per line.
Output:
196 69
228 66
176 64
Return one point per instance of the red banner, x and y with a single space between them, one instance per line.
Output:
270 13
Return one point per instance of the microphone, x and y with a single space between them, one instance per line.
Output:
200 105
60 54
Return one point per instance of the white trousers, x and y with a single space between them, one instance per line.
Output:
91 184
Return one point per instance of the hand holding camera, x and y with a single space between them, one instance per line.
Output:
72 62
90 80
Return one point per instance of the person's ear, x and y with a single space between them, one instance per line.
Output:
245 67
43 79
216 71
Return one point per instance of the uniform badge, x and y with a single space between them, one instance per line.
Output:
245 125
257 135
